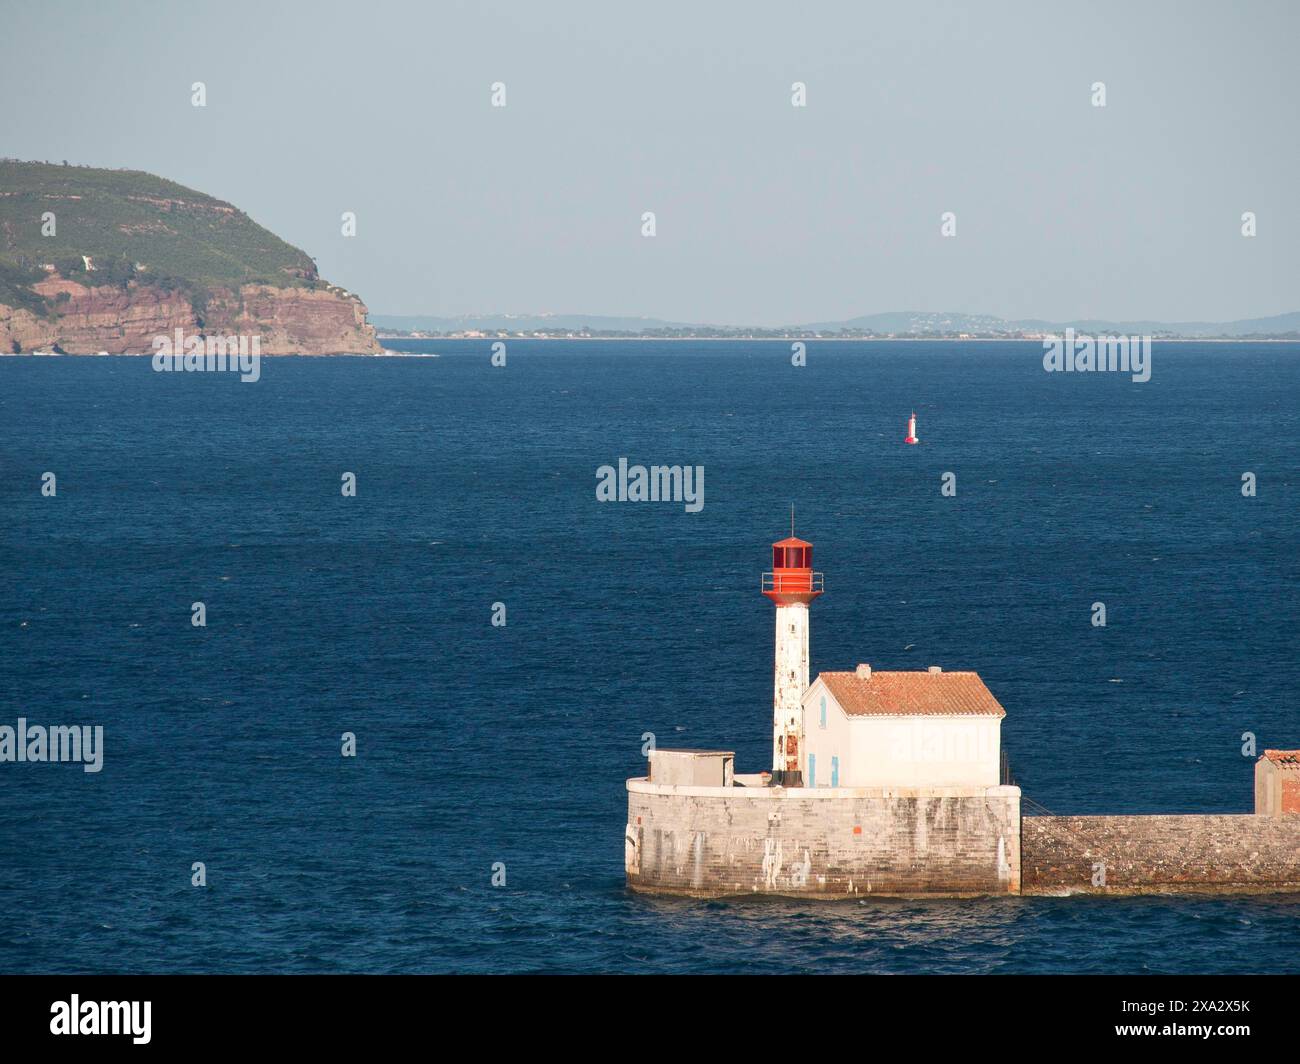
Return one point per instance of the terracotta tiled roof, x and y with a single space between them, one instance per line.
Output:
1284 758
912 693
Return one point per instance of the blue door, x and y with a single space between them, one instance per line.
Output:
812 770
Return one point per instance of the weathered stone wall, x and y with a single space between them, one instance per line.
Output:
1151 854
712 841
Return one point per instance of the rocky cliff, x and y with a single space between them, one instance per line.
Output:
94 318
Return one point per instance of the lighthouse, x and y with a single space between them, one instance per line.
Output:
791 585
911 429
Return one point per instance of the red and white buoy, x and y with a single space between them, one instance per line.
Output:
911 429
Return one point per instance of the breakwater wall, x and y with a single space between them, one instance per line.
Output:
1154 854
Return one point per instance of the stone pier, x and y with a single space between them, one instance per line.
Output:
1236 854
823 842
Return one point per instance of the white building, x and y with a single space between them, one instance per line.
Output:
903 729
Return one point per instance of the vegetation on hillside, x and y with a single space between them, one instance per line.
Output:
15 287
133 226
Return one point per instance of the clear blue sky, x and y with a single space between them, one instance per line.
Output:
766 214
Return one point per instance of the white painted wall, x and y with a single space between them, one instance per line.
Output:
824 744
903 751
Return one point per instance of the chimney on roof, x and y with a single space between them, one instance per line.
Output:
863 672
936 668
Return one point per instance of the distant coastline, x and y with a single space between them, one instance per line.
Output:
807 338
391 353
892 325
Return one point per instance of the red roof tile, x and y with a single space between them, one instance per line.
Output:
912 693
1284 758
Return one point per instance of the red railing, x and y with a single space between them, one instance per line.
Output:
793 581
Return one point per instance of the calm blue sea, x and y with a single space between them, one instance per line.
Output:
478 744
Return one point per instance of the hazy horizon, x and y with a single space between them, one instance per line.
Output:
766 214
1289 319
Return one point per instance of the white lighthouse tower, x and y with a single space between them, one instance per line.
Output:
792 585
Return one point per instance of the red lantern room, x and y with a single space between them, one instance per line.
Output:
792 578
